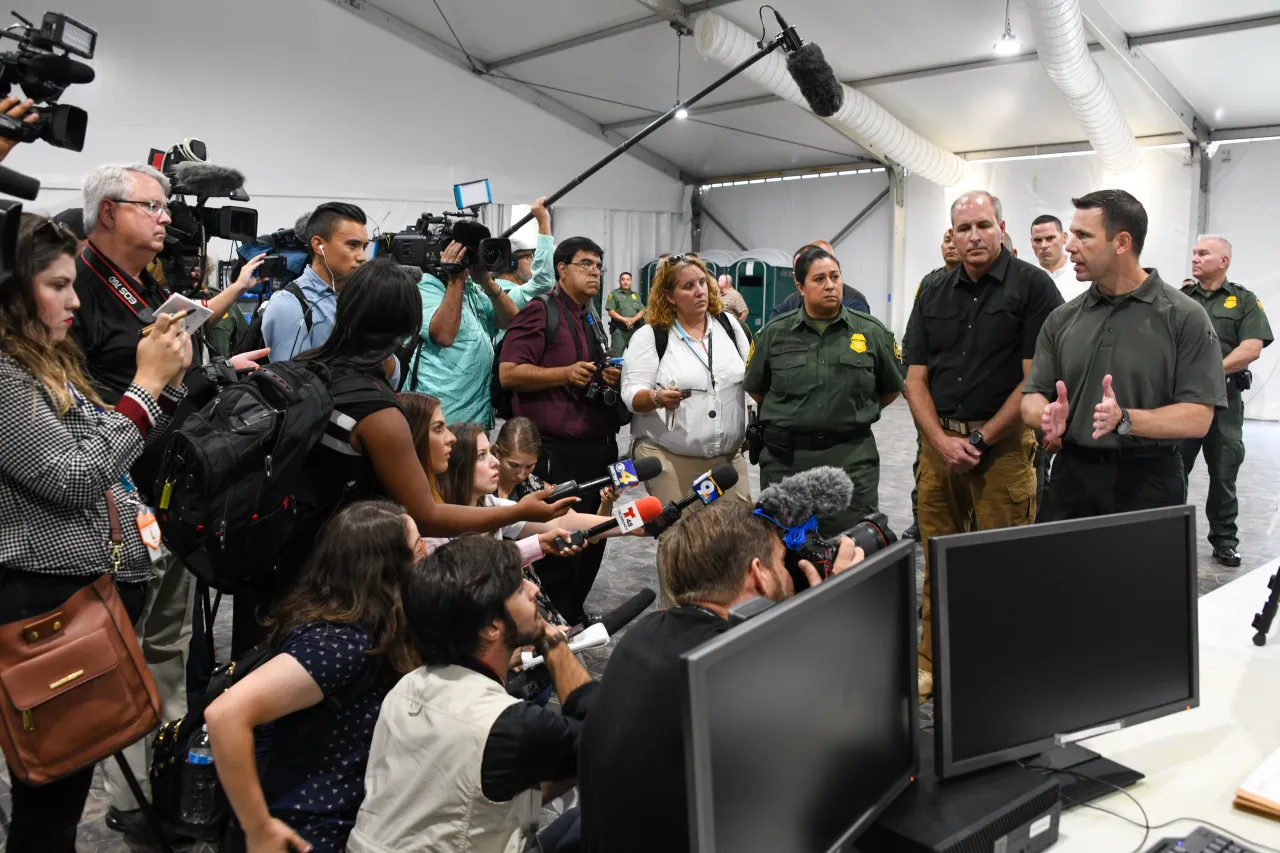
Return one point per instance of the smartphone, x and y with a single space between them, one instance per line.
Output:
274 266
685 395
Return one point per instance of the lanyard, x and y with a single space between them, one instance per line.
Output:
115 280
709 362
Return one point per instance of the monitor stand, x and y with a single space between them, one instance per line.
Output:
1074 759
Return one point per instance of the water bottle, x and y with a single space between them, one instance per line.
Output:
199 783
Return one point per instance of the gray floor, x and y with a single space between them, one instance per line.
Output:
629 563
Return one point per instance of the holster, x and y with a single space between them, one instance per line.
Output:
780 444
1241 380
755 438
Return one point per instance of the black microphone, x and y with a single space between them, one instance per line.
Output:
627 516
16 183
706 488
208 180
807 66
62 70
616 619
623 473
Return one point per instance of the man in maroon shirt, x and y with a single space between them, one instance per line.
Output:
549 380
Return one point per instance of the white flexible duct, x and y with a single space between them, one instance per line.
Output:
860 118
1064 53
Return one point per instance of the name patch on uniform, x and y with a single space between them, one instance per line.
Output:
1230 302
858 343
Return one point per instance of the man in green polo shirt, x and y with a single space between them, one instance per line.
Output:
1243 330
1122 374
626 314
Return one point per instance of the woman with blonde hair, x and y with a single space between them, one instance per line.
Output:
682 378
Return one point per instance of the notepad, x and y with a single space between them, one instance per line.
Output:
1260 793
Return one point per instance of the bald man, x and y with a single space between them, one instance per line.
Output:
1243 331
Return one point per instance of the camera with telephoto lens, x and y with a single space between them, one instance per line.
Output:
43 74
597 389
423 244
871 534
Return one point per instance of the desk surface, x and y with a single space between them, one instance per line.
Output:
1194 760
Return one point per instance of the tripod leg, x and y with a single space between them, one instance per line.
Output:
148 812
1262 621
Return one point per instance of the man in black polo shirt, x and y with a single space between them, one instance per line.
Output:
969 346
1121 374
631 772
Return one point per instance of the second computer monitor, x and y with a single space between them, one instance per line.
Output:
1049 633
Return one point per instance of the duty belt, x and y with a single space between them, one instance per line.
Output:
962 427
788 440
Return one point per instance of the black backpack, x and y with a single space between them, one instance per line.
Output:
660 335
252 338
501 397
174 739
232 485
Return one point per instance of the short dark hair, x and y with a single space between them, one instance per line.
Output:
1120 212
621 274
1045 219
324 220
808 256
450 596
567 249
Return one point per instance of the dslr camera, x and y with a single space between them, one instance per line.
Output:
871 534
43 74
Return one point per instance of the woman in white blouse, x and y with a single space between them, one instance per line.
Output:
690 409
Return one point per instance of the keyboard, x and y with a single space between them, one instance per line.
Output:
1203 840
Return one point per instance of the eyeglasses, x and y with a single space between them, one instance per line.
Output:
588 266
155 208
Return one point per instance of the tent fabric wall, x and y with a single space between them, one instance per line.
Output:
392 131
630 238
787 214
1244 207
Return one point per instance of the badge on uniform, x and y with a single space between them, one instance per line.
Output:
634 297
858 343
149 530
1230 302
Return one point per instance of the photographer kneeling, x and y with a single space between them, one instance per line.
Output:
631 770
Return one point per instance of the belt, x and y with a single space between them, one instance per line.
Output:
788 440
1112 455
962 427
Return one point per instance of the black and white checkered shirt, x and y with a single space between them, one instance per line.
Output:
55 472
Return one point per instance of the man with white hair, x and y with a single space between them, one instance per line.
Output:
732 299
1243 330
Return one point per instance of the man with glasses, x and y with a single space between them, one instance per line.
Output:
548 360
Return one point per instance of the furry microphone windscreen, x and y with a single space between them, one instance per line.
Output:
205 179
819 491
817 82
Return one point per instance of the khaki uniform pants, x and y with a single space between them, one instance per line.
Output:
999 492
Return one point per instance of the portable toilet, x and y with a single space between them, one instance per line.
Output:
764 278
646 278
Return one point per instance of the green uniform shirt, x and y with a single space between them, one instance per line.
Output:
1236 314
626 304
1157 344
829 381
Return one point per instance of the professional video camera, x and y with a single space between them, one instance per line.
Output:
422 244
187 237
44 75
795 503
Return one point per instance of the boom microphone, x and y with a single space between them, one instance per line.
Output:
820 491
623 473
817 82
626 517
207 180
706 488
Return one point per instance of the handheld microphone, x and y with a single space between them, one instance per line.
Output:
706 488
598 634
623 473
626 517
208 180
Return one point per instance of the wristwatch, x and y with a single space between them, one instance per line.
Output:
975 438
1125 424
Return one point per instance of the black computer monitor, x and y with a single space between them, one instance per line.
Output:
800 724
1048 634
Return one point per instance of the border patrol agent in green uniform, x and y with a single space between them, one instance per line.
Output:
821 375
1243 330
622 305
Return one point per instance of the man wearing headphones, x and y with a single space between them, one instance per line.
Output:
461 321
336 237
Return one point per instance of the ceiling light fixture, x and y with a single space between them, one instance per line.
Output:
1008 44
682 113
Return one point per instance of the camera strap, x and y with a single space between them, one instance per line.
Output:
127 289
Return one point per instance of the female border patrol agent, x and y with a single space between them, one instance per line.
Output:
821 375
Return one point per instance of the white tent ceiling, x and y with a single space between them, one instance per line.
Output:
621 68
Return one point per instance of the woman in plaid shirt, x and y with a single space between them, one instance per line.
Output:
64 450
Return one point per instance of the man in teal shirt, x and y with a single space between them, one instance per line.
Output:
462 320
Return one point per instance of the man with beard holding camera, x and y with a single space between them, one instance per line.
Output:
560 387
631 769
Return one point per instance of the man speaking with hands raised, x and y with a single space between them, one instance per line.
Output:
1121 374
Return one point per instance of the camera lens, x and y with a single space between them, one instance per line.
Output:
872 533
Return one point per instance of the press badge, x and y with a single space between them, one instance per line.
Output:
149 530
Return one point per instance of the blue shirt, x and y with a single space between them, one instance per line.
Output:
282 325
459 375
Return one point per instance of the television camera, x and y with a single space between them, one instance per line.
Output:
44 74
422 244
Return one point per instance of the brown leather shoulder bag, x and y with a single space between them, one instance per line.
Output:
74 687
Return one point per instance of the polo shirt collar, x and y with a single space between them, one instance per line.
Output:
1146 291
998 271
